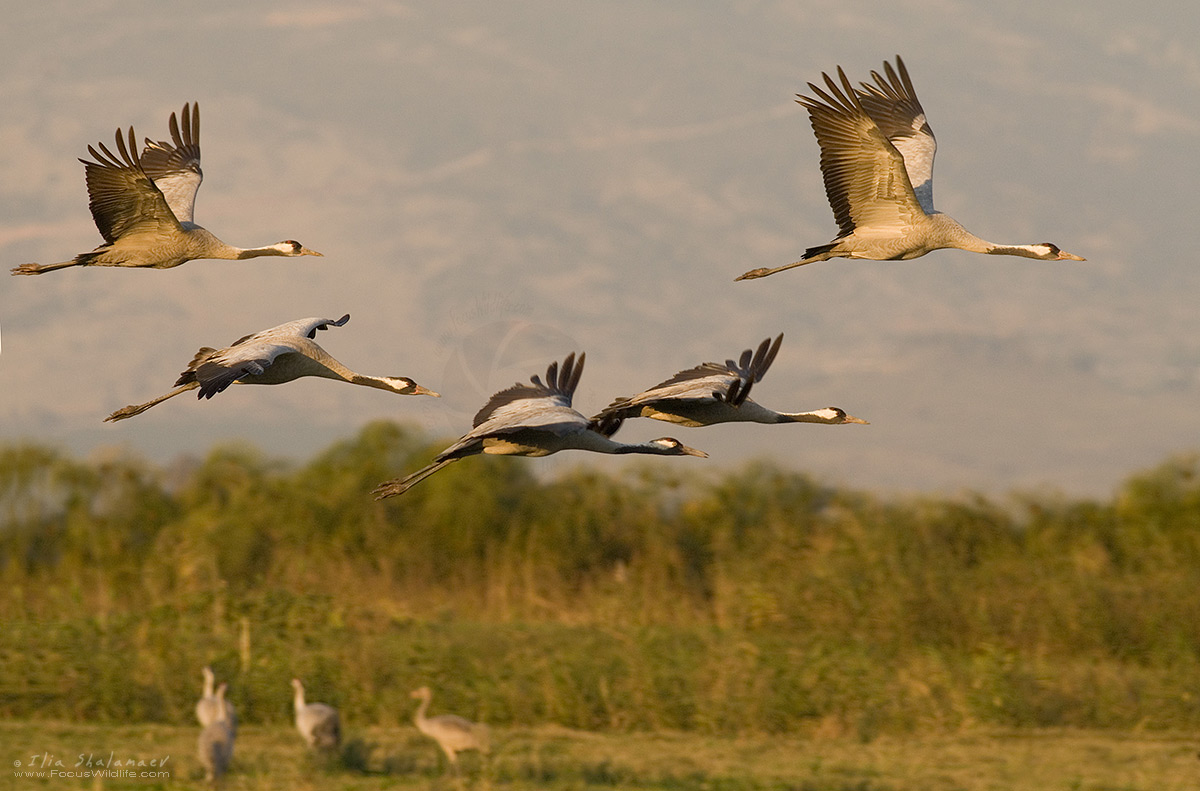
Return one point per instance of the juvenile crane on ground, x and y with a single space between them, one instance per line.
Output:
534 420
215 744
270 357
452 733
144 206
877 161
713 393
318 723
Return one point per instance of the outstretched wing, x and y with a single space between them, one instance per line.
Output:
175 168
122 197
528 401
892 103
750 369
729 382
865 180
300 328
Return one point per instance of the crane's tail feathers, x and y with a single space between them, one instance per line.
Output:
401 485
137 409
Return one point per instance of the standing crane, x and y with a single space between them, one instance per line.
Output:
144 206
713 393
534 420
877 161
452 733
318 723
215 744
270 357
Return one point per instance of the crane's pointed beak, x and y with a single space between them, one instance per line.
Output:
418 390
853 419
1063 255
693 452
306 251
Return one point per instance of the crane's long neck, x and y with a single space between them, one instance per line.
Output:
208 676
598 443
1023 250
315 361
332 369
298 700
240 253
648 448
370 381
815 416
419 717
203 243
959 237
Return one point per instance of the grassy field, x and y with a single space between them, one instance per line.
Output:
269 758
664 626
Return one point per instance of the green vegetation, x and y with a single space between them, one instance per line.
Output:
550 758
747 604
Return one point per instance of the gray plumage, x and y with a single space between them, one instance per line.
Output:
452 733
207 708
318 723
144 205
215 744
274 356
212 705
712 393
533 419
877 154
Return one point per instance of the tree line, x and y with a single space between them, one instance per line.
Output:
756 599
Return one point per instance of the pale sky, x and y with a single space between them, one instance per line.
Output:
495 185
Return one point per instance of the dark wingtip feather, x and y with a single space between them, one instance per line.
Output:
765 363
735 395
568 378
744 361
764 356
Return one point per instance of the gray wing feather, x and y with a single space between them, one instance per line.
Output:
708 381
300 328
121 196
215 374
865 179
175 168
558 391
892 103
